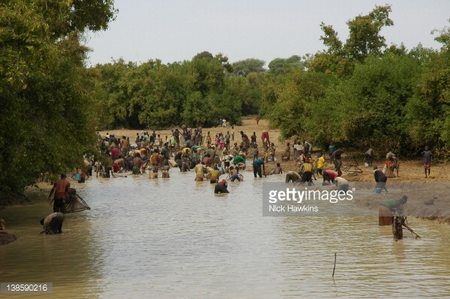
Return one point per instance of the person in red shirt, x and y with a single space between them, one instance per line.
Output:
206 160
329 176
115 153
61 189
221 187
265 139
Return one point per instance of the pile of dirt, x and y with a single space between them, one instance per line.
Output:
7 238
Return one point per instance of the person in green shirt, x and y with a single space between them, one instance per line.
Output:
238 159
388 208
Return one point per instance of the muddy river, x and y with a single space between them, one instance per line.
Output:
173 238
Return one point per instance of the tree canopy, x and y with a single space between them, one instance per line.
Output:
44 89
358 92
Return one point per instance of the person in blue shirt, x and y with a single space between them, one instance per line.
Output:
331 149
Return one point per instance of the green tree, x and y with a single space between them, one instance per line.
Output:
364 40
295 97
428 112
247 66
370 105
207 97
112 83
160 93
280 66
364 34
44 90
197 111
248 91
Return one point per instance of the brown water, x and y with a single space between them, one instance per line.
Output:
173 238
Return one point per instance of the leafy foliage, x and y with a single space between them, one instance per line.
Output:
364 40
248 66
358 93
428 110
44 88
280 66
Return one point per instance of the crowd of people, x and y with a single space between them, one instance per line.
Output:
186 149
192 149
211 156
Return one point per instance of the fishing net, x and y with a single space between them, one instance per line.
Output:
75 202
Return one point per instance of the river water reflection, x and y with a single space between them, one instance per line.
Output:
173 238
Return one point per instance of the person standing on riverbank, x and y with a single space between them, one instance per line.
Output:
336 157
245 139
380 178
368 157
265 139
331 149
391 163
287 153
427 161
61 189
124 144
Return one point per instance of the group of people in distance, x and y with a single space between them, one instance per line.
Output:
388 209
392 164
393 207
210 157
188 150
309 168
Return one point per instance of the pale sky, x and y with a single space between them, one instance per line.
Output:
177 30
